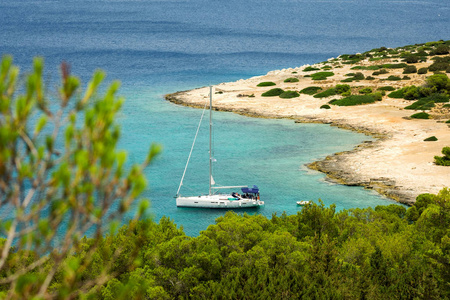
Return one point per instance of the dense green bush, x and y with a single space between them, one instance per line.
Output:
381 71
443 160
394 66
292 79
438 66
398 94
321 75
350 79
309 69
409 70
342 88
326 93
421 115
386 88
325 106
412 59
289 94
393 78
370 78
441 50
365 91
273 92
311 90
421 105
422 71
266 83
354 100
430 139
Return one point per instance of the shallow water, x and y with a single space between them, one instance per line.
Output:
159 47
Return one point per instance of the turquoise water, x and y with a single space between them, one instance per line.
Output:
159 47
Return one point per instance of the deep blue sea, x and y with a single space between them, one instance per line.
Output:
159 47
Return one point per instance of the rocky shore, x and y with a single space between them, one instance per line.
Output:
399 164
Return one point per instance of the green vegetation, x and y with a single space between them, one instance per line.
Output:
309 69
355 77
292 79
409 70
421 115
311 90
289 94
422 71
62 176
381 71
421 105
386 88
326 93
321 75
266 83
373 253
354 100
430 139
273 92
365 91
393 78
443 160
325 106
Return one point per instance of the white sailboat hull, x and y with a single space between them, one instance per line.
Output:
218 201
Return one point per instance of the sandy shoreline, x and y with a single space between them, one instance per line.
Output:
399 164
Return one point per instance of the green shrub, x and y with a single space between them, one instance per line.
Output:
421 115
406 78
325 106
412 59
398 94
422 71
370 78
266 83
386 88
393 78
326 68
273 92
377 96
309 69
441 50
354 100
446 105
430 139
358 76
421 105
350 79
409 70
342 88
292 79
443 160
394 66
326 93
289 94
321 75
365 91
448 121
439 81
437 97
311 90
350 74
438 66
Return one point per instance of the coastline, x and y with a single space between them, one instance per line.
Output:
399 164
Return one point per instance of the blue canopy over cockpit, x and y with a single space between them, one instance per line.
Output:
253 190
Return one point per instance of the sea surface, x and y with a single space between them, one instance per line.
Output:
159 47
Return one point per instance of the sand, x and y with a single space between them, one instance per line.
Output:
399 164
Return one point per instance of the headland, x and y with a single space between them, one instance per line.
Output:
399 164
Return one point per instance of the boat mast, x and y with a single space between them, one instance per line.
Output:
210 138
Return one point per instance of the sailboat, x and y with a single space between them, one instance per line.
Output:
248 198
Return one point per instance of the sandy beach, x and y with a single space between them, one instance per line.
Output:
399 164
